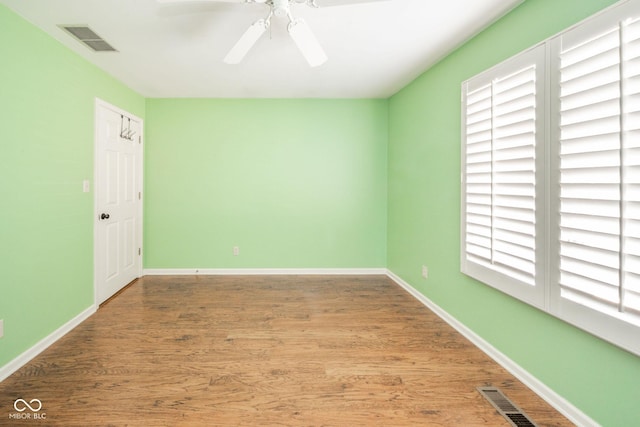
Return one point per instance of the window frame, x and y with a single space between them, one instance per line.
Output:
607 327
546 294
534 295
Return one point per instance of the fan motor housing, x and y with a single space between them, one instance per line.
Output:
281 7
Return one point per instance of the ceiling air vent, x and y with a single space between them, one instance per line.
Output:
505 407
88 37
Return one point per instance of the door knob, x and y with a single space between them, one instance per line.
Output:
104 216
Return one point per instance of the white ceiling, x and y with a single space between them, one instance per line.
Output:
176 50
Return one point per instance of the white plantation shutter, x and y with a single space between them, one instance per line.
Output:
590 173
599 170
551 176
514 142
630 284
501 119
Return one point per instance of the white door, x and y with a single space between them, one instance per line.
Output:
118 192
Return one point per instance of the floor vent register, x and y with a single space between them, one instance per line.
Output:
514 415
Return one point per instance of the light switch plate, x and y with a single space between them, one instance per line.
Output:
1 328
86 186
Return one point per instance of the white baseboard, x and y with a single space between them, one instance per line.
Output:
562 405
263 271
24 358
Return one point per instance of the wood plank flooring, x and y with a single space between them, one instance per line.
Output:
265 351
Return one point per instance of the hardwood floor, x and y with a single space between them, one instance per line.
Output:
265 351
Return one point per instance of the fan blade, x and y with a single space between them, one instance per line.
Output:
307 43
331 3
199 1
246 42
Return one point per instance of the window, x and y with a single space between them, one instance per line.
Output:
551 176
503 133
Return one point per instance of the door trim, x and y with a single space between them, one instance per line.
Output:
99 103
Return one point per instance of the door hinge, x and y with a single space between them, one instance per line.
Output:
139 195
139 139
139 251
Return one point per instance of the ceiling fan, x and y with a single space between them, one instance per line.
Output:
298 29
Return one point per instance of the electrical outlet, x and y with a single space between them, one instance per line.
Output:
236 251
1 328
425 272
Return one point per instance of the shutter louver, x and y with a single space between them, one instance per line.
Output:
600 171
630 292
478 172
500 175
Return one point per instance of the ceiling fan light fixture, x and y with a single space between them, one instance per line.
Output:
307 43
246 42
280 8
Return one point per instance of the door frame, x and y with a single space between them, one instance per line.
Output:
99 103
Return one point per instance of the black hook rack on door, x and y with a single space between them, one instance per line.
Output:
126 133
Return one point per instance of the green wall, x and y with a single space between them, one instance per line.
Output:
292 183
424 224
47 96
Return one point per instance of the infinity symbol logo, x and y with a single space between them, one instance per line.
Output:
21 405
